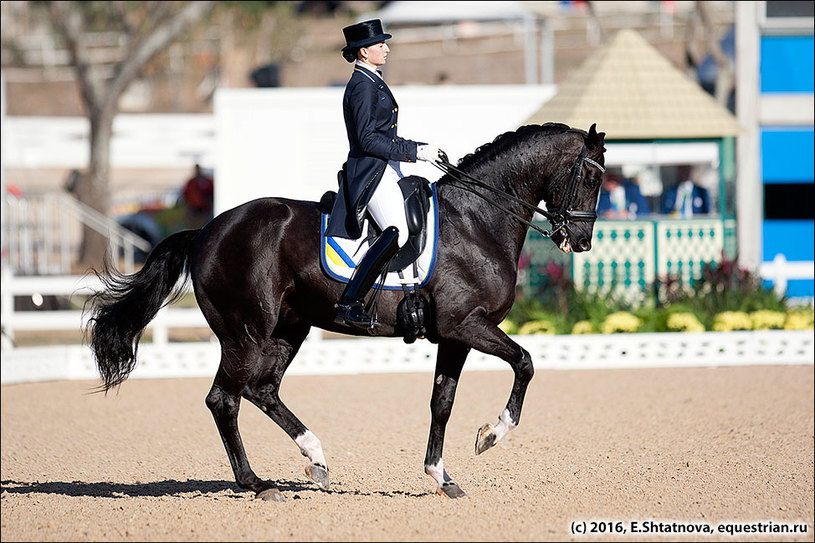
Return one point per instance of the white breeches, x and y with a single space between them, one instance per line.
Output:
387 205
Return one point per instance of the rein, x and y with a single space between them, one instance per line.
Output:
559 217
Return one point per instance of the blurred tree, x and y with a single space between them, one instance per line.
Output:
702 27
147 28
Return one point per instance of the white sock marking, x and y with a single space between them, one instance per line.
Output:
436 471
311 447
505 424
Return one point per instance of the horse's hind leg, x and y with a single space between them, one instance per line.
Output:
223 401
264 393
449 362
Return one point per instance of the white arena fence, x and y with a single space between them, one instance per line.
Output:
73 287
387 355
321 356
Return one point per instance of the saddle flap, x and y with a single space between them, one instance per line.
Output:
416 192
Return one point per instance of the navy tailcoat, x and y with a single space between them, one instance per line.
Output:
371 114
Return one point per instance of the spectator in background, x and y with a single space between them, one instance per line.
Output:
621 200
14 190
198 193
687 198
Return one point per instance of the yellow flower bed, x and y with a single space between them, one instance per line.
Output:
621 321
685 322
537 327
767 320
728 321
800 319
582 327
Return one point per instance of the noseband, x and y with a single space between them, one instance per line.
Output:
559 216
562 215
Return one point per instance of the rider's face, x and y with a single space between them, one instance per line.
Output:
376 54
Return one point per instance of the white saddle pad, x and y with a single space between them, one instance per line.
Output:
340 256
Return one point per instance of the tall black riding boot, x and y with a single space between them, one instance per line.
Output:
351 309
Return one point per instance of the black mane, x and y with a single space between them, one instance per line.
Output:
507 140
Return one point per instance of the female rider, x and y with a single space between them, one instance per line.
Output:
372 171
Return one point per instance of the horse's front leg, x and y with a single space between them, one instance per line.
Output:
449 362
486 337
488 434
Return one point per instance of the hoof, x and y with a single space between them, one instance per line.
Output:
318 474
485 439
451 490
270 495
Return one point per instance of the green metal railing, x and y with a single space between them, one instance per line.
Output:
627 257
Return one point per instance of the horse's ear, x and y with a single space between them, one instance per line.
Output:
595 139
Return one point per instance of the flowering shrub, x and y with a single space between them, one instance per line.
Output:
765 319
583 327
621 321
537 327
800 319
728 321
684 322
724 297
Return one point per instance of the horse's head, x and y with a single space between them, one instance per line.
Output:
572 198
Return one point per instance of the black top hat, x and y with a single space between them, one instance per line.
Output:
364 34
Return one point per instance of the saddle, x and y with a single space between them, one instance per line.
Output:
413 313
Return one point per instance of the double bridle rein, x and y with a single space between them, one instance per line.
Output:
559 216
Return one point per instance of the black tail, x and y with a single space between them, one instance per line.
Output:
125 306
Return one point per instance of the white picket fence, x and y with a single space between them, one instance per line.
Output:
386 355
76 286
163 359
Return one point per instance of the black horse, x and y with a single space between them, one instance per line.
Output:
257 277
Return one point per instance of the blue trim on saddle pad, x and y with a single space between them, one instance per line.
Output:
336 246
326 242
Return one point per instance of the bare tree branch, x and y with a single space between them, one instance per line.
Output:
69 26
693 57
158 11
162 35
725 71
121 17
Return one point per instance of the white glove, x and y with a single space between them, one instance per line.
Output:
429 153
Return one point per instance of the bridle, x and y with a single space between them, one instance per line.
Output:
559 217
